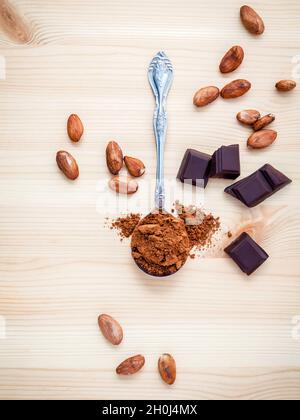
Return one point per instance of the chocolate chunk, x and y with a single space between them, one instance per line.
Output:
255 188
225 162
246 253
195 168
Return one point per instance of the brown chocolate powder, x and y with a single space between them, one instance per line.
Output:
200 227
126 225
161 242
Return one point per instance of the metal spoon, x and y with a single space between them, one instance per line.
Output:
160 75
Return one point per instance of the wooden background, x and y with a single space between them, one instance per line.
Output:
232 337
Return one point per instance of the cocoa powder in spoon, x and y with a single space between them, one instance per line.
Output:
160 244
199 226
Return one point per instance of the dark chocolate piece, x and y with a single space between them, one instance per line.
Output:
195 168
246 253
225 162
255 188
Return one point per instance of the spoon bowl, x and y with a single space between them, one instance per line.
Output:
160 244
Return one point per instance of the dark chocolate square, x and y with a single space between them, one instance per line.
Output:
246 253
276 179
256 188
195 168
225 162
253 189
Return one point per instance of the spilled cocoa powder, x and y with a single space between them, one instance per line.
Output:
200 226
126 225
162 242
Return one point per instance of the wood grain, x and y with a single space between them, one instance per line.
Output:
60 267
13 23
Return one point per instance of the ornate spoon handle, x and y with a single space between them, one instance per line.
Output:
160 76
